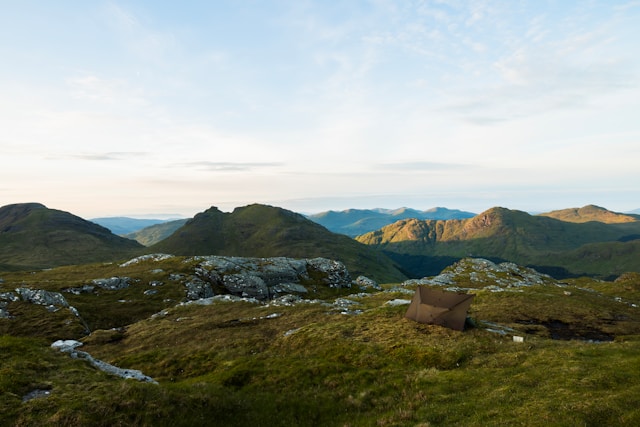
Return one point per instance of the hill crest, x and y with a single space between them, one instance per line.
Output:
258 230
34 236
591 213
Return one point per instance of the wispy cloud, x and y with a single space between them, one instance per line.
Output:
108 156
422 166
229 166
89 87
289 100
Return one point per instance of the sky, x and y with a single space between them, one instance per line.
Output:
165 108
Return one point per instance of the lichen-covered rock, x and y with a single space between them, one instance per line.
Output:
365 283
9 296
198 289
285 289
330 272
246 285
69 346
479 273
271 270
148 257
268 278
113 283
84 289
41 297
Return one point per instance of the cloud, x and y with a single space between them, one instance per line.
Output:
421 166
94 88
108 156
229 166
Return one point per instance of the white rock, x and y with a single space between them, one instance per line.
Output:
398 301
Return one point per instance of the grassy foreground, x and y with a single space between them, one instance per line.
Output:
240 363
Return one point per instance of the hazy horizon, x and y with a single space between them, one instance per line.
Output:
172 216
111 108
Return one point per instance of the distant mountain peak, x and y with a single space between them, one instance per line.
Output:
591 213
354 222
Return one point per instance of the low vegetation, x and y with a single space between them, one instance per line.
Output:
312 364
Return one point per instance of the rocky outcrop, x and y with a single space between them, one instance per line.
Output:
113 283
148 257
365 283
5 299
259 278
41 297
247 285
110 284
268 278
479 273
198 289
84 289
53 301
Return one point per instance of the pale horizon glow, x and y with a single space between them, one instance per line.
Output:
164 109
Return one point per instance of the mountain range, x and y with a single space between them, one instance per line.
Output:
578 241
354 222
586 241
33 236
351 222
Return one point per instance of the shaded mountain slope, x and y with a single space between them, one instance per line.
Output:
266 231
353 222
422 247
591 213
155 233
606 260
34 236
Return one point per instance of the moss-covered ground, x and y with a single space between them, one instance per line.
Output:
241 363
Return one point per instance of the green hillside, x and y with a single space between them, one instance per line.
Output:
157 232
33 236
226 362
265 231
424 247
